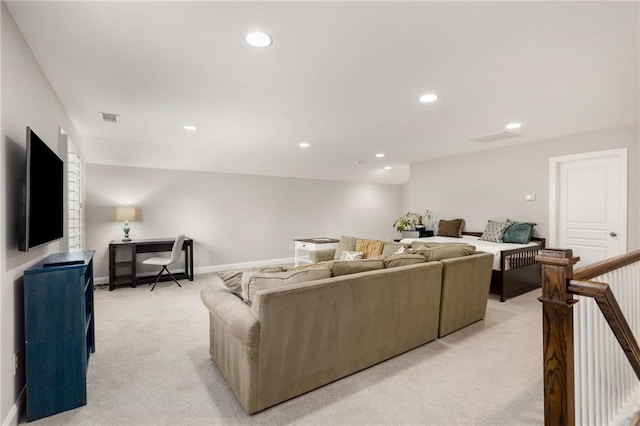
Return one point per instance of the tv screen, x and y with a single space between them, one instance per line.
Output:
43 197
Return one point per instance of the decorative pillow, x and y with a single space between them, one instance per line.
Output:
351 255
451 228
345 243
391 248
494 231
253 281
519 233
394 260
369 248
400 250
233 279
445 251
345 268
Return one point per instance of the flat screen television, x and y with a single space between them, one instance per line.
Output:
42 203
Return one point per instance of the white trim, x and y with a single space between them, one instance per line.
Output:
554 166
14 414
219 268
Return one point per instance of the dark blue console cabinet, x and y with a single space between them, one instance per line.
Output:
59 332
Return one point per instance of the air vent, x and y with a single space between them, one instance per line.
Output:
108 117
492 137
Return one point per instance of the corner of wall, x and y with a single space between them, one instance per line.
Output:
13 417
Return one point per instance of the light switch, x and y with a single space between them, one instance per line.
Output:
530 197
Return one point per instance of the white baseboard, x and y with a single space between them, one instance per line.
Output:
218 268
14 414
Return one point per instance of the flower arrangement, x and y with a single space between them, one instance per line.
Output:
407 222
410 220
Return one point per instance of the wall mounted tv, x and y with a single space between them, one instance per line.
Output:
42 200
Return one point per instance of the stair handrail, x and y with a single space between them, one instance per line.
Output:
559 284
605 266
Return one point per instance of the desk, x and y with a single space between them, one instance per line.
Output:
124 272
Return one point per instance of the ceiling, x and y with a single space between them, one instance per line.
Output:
342 76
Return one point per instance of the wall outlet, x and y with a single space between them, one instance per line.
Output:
15 363
530 197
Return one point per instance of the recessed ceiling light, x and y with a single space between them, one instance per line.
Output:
512 126
304 145
189 127
430 97
387 168
380 155
258 39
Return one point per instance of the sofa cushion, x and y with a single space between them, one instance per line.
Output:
346 243
346 267
395 260
253 281
445 251
369 248
451 228
494 231
429 244
233 279
519 233
391 248
306 266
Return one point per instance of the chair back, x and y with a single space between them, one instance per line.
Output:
177 248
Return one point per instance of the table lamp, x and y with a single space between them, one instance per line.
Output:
125 213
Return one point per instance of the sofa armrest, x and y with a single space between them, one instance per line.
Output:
232 313
322 255
465 290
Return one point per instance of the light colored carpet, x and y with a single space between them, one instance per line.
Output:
152 367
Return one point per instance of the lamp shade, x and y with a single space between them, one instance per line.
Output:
125 213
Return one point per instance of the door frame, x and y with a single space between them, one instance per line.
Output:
554 175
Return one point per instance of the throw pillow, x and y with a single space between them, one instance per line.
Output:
345 268
233 279
451 228
519 233
400 250
494 231
369 248
253 281
345 243
395 260
390 248
351 255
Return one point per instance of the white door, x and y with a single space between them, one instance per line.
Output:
588 205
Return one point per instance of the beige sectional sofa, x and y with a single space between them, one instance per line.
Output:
298 337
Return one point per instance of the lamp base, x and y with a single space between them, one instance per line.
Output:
126 229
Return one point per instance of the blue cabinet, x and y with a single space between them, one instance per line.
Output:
59 332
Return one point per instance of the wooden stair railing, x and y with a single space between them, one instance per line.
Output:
559 284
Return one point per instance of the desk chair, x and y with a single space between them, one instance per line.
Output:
167 261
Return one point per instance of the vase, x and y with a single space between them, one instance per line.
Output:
410 234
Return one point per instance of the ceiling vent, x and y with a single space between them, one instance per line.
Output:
492 137
108 117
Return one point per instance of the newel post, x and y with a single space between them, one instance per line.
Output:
557 336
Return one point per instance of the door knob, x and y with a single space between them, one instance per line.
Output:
613 234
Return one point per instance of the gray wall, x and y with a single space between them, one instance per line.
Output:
492 184
233 218
27 100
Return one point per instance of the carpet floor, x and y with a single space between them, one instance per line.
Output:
152 367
